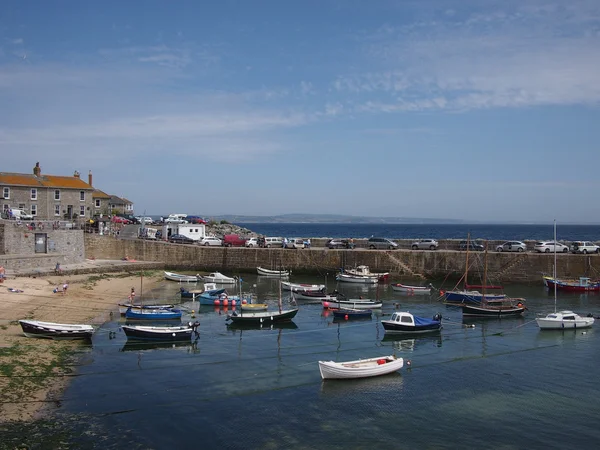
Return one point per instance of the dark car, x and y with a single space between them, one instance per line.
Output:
181 239
472 245
340 243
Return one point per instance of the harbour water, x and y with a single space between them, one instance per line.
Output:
494 384
436 231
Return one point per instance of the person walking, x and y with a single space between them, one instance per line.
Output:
132 295
65 287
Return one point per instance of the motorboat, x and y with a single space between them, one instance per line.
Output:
182 278
405 322
176 333
362 279
365 271
562 320
218 278
301 287
360 368
272 273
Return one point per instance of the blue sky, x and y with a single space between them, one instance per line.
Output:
475 110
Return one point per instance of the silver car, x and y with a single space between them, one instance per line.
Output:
381 244
549 246
425 244
512 246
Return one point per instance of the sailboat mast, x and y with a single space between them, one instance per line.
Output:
554 272
466 282
484 273
279 303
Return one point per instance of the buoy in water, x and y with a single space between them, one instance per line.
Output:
217 302
346 317
232 302
325 304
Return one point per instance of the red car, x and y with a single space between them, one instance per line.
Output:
118 219
233 240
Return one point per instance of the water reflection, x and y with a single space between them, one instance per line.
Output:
136 346
266 326
403 343
362 386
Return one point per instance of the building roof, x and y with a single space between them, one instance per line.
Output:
100 194
114 200
42 181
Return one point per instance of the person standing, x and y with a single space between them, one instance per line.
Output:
65 287
132 295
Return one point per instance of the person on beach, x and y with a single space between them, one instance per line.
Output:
65 287
2 274
132 295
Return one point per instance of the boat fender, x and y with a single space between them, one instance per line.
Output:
437 317
381 361
346 317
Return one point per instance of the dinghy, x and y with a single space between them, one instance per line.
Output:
50 330
360 368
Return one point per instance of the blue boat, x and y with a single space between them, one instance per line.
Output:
153 314
407 323
472 297
349 314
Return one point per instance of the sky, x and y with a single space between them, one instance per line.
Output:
473 110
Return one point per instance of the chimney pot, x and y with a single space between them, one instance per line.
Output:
90 178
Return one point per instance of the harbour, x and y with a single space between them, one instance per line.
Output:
477 383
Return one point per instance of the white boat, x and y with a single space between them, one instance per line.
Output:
316 296
35 328
123 307
160 333
352 303
272 273
399 287
219 278
360 368
182 278
295 287
560 320
363 270
362 279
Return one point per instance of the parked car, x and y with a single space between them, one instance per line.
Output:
339 243
129 217
119 219
295 243
548 246
381 243
512 246
425 244
195 219
273 242
471 245
211 240
180 239
19 214
584 247
252 242
233 240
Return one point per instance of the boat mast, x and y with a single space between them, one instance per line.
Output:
484 274
279 302
466 283
554 271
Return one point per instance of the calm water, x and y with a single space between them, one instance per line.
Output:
442 231
501 384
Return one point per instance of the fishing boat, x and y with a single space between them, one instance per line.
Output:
317 296
182 278
153 314
150 333
217 297
493 308
264 317
407 323
583 284
405 288
57 331
219 278
296 287
190 293
360 368
352 303
363 270
123 307
272 273
361 279
560 320
351 314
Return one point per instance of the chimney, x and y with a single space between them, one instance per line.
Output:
37 170
76 174
90 178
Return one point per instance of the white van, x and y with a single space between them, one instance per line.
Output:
295 243
273 242
19 214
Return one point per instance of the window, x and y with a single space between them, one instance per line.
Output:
57 195
97 203
6 192
82 196
5 207
22 206
82 211
57 210
34 194
34 210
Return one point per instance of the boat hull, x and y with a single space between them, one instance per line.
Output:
361 368
360 279
172 276
398 287
471 297
492 310
352 314
153 314
350 304
571 286
295 287
399 328
263 317
123 307
254 307
157 333
56 331
272 273
564 320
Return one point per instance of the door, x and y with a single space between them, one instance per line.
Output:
41 243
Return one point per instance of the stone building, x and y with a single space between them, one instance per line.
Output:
120 205
50 197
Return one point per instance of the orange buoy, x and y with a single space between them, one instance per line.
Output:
325 304
217 302
225 302
346 317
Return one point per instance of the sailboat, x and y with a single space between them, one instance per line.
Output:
159 312
560 320
501 307
468 294
264 317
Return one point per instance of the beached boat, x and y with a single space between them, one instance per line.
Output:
296 287
407 323
182 278
219 278
351 314
58 331
407 289
272 273
361 279
351 303
160 333
152 314
360 368
365 271
123 307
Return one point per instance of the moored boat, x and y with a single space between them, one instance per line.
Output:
361 279
254 306
399 287
181 277
562 320
123 307
153 314
583 284
363 270
272 273
219 278
57 331
407 323
350 314
295 287
360 368
351 304
177 333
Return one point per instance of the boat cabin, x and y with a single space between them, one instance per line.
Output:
403 317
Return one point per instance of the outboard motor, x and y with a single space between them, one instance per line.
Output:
437 317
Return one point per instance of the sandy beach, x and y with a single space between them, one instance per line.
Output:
34 372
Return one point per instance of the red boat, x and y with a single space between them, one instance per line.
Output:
584 284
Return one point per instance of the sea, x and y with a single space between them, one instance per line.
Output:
476 384
427 231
